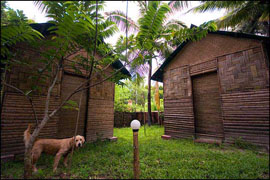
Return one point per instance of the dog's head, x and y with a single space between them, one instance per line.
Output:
79 140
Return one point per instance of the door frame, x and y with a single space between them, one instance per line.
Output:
219 90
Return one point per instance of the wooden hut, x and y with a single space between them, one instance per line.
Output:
96 113
217 89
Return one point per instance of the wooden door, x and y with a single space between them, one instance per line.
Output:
207 107
68 117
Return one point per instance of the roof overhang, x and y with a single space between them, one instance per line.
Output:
158 75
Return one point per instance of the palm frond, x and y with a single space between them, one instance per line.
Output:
237 16
178 5
107 29
120 19
142 7
217 5
41 6
175 24
246 16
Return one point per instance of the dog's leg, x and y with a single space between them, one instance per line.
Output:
66 160
56 160
35 155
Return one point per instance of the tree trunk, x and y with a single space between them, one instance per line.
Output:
149 94
28 148
27 162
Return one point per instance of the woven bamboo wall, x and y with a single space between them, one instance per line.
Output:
210 47
16 109
243 71
246 115
100 110
100 105
244 83
68 117
17 114
244 87
178 114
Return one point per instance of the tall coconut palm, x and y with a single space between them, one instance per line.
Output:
153 30
243 16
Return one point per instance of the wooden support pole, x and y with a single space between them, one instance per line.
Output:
136 166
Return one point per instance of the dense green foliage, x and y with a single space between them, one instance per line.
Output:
10 16
14 29
74 29
154 36
160 159
136 92
242 16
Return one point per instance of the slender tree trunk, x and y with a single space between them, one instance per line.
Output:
149 94
27 162
136 93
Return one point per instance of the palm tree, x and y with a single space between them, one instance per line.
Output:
242 16
153 31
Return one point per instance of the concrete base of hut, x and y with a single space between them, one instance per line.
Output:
113 138
7 158
166 137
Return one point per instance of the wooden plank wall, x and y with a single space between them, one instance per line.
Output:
207 106
178 106
244 89
17 114
244 83
100 104
68 117
100 110
246 115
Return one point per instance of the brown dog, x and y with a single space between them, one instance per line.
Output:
57 147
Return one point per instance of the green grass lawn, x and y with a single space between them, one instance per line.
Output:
158 159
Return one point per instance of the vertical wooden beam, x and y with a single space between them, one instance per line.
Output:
220 99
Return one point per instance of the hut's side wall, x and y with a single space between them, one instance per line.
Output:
100 110
244 83
16 115
244 87
178 113
68 117
209 48
100 104
17 112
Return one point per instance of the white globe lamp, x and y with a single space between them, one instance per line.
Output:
135 125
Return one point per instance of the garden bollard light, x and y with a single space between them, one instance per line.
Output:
135 125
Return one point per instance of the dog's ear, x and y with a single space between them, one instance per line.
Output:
83 139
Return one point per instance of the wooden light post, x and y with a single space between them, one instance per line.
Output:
135 125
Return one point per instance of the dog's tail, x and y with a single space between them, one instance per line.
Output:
26 134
